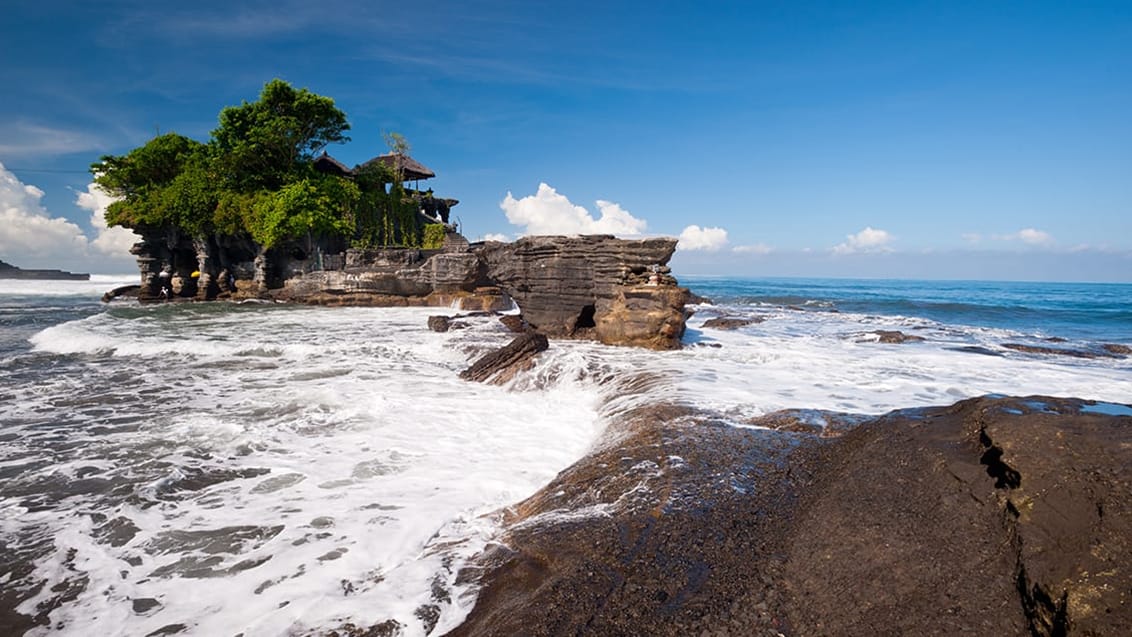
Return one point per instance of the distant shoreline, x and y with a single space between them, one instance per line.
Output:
8 271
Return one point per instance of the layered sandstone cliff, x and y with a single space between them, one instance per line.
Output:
619 292
597 286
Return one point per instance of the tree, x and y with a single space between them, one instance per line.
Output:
139 178
309 207
264 144
156 163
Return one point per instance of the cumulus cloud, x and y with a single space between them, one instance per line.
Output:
495 236
548 212
757 248
868 240
696 238
33 238
112 242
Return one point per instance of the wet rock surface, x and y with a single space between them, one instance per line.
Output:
1004 516
731 322
501 365
894 337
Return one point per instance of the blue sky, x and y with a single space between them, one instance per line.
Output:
981 140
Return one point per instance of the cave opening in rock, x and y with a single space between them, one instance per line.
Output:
585 318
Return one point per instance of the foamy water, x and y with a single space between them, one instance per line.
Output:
269 470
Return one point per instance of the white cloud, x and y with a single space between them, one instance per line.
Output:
868 240
31 237
972 237
112 242
757 248
495 236
1034 237
548 212
696 238
1029 236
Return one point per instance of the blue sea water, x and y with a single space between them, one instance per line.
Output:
1100 312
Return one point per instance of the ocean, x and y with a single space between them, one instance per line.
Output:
261 469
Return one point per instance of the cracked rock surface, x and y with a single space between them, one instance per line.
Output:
993 516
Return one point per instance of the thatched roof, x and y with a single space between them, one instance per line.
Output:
411 169
324 163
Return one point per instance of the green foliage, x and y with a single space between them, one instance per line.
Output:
264 144
304 208
397 143
434 236
387 219
155 164
256 178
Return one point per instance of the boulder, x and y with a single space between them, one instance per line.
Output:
501 365
514 322
439 323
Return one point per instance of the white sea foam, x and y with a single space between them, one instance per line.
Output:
361 471
289 469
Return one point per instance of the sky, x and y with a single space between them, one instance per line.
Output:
939 140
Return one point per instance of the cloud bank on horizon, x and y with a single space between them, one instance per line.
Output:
34 238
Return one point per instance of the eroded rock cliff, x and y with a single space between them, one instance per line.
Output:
616 291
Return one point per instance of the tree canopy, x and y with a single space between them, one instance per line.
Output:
255 177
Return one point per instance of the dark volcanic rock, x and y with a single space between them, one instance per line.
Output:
567 286
1005 517
732 323
501 365
895 336
1116 348
662 533
975 349
128 291
989 517
1052 351
439 323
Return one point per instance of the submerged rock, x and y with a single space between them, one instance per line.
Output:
894 337
731 322
1053 351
